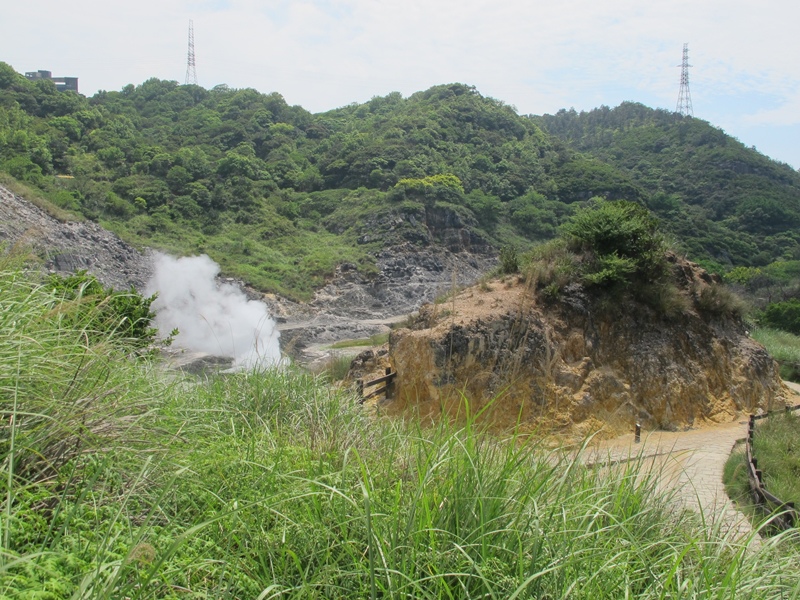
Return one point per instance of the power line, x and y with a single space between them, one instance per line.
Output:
684 106
191 72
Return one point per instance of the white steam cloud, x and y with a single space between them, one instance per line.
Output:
211 317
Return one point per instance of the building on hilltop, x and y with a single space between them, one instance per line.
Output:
63 84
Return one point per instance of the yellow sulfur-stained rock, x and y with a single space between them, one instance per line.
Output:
575 364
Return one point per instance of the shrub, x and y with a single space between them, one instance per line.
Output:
783 315
718 299
103 311
552 264
611 269
622 242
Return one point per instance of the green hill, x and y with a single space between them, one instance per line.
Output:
724 201
279 196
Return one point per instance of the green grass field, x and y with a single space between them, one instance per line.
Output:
119 481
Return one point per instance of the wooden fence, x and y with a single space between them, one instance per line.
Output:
784 514
387 389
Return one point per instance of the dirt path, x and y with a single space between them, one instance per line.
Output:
691 464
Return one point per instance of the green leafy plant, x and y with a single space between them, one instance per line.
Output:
622 241
782 315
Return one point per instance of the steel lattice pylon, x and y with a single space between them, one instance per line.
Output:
191 73
684 106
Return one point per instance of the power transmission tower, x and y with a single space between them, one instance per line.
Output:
684 106
191 73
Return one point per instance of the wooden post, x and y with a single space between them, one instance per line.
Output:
360 390
389 385
637 436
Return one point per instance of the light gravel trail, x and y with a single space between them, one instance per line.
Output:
691 464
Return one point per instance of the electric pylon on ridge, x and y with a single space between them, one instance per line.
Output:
191 73
684 106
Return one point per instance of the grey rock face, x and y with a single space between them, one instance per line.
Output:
66 247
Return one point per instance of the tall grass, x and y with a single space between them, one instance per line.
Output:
273 485
776 445
784 347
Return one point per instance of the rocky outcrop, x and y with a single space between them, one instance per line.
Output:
426 252
66 247
578 364
407 277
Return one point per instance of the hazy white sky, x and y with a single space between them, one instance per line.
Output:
538 56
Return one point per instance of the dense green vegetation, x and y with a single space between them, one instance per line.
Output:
279 196
121 482
104 312
783 315
724 202
271 192
616 252
731 208
623 243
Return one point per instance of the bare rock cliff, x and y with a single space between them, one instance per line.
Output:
575 364
66 247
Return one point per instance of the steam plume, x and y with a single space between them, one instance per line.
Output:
211 317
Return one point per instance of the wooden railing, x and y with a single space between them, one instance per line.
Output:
387 389
784 515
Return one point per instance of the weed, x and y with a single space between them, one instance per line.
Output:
719 300
665 298
338 366
509 260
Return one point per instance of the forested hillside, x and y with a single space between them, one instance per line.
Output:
724 201
279 196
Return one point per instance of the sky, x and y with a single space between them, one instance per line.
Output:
537 56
